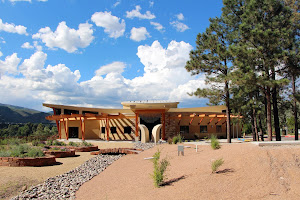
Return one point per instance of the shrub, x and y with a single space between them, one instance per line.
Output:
19 151
49 142
170 141
35 152
86 144
58 143
74 144
216 164
35 142
177 139
160 168
214 142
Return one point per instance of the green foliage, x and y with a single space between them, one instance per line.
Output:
170 141
49 142
86 144
214 142
58 143
74 144
35 152
177 139
160 168
12 141
216 164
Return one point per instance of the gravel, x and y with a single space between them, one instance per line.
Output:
143 146
64 186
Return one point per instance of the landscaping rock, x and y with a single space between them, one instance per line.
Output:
143 146
64 186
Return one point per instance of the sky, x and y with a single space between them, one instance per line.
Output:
98 53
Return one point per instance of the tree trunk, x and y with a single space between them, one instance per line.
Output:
261 128
295 107
252 127
255 124
228 113
275 109
269 114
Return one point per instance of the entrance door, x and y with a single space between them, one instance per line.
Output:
150 122
73 132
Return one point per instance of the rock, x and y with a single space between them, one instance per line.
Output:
24 188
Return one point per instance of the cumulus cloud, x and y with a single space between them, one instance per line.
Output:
26 45
180 16
115 67
179 26
164 78
12 28
116 4
139 34
158 26
10 64
151 4
13 1
110 23
66 38
136 13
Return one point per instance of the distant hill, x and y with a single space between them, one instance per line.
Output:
16 114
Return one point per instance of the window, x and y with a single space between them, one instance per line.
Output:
69 112
91 112
57 111
219 128
102 129
184 129
113 129
127 129
203 129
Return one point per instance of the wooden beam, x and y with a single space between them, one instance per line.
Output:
59 130
179 119
224 122
83 128
136 125
200 120
202 115
193 116
212 115
210 121
218 121
107 129
163 117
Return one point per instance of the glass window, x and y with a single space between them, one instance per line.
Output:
127 129
184 129
113 129
203 129
69 112
102 129
219 128
90 112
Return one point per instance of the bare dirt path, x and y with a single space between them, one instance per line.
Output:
14 178
249 172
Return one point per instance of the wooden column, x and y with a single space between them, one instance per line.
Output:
107 129
59 129
66 128
136 124
163 132
82 126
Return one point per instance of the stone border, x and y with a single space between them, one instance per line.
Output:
22 162
61 154
117 151
79 149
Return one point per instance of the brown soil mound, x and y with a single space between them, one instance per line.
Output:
249 172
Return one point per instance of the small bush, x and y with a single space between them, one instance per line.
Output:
216 164
35 152
177 139
214 142
49 142
73 144
160 168
35 142
170 141
58 143
86 144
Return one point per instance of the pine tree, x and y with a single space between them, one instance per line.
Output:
213 58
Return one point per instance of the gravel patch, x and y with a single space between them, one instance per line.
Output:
64 186
144 146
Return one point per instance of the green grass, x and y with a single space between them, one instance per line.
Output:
216 164
160 167
214 142
21 151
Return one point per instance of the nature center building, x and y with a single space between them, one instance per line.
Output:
141 120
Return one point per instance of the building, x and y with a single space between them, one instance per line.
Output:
141 120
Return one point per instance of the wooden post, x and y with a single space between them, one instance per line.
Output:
82 125
136 125
107 129
163 134
59 129
66 128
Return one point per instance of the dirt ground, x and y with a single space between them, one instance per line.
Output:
249 172
14 178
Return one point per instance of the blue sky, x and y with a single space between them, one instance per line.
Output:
99 53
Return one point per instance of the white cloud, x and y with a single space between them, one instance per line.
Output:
164 78
115 67
110 23
66 38
157 26
26 45
139 34
151 4
116 4
179 26
136 13
13 1
9 65
180 16
1 54
12 28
